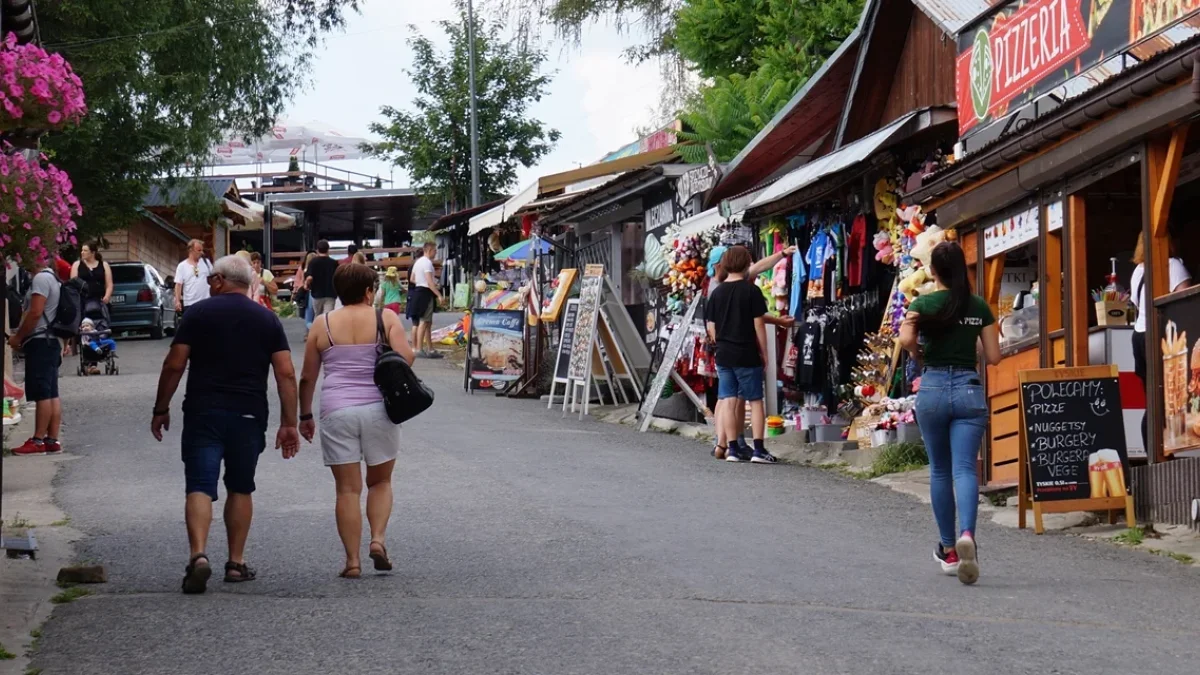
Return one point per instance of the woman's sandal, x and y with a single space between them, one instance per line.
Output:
380 557
720 451
351 572
195 579
244 573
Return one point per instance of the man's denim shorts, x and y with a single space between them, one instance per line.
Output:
743 383
43 356
213 436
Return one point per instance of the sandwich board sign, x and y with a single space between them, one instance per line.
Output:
1073 455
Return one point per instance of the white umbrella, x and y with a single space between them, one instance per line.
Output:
321 141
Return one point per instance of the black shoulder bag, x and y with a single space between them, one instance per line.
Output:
404 394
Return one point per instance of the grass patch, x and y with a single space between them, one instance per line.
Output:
33 671
1173 555
70 595
898 458
6 655
19 522
1134 536
61 523
36 633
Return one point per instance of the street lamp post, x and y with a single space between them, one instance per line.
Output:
474 115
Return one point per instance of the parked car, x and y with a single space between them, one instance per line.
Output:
142 300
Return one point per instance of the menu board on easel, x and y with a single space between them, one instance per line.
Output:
580 366
667 367
1073 455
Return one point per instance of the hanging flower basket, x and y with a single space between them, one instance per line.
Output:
38 91
37 209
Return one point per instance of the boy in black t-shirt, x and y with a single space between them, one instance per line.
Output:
736 314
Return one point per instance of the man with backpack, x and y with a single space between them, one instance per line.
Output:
50 312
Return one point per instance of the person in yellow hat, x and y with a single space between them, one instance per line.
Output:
391 293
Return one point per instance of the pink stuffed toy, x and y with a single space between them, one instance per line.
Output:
883 248
779 286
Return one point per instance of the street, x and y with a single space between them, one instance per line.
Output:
526 543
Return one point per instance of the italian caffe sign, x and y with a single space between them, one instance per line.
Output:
1026 49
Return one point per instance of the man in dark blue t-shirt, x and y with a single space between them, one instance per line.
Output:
231 342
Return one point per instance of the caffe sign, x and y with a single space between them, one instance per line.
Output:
1022 50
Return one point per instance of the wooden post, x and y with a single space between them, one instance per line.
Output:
1077 326
1160 173
993 277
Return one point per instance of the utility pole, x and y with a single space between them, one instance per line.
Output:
474 115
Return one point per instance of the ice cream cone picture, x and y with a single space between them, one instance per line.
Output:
1106 475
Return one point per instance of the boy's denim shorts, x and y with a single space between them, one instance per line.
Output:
743 383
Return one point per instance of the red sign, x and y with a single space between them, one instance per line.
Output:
1015 52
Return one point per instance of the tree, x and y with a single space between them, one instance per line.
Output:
166 79
758 54
432 142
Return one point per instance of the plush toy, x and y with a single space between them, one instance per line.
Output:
883 247
910 283
913 219
779 285
926 241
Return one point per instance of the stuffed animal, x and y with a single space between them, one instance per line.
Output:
884 252
926 241
779 285
913 219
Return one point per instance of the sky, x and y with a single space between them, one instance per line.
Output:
595 99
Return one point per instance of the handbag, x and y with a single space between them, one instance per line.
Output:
404 394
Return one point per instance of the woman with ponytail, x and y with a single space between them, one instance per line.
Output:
945 331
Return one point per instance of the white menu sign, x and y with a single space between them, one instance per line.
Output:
1010 233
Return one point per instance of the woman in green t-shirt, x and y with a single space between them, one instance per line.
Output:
945 330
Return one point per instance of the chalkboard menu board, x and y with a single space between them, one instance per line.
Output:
569 317
670 355
1074 434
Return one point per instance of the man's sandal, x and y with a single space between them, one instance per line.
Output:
720 451
244 573
351 572
197 574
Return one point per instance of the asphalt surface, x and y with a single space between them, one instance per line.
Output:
526 543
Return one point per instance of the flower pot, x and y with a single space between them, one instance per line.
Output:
908 433
811 418
827 433
881 437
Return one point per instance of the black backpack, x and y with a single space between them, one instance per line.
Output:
70 307
16 296
404 394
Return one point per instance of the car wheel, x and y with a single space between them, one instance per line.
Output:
156 331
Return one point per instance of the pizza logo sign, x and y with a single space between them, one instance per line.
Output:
981 74
1025 51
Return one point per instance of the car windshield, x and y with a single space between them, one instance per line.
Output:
128 274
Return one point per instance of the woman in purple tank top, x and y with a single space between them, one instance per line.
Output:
354 425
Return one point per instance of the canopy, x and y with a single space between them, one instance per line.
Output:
315 140
522 249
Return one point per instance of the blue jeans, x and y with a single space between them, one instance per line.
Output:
952 413
743 383
308 312
212 436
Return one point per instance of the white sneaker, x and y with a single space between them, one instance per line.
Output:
968 559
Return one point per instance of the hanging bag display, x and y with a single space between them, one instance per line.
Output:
404 394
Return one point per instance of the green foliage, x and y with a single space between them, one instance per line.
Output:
197 204
165 79
432 142
729 113
70 595
284 309
758 52
6 655
1134 536
898 458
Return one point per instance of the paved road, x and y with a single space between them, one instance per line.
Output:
529 544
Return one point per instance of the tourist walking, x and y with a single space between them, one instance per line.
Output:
945 330
231 343
425 299
43 356
735 317
1179 279
354 427
391 294
191 278
267 288
318 277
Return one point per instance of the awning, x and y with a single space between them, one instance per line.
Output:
496 215
849 155
705 221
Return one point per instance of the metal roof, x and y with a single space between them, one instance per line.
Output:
170 193
616 190
461 216
952 15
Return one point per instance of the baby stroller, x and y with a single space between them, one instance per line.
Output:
96 345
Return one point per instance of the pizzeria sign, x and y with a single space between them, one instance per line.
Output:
1023 50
